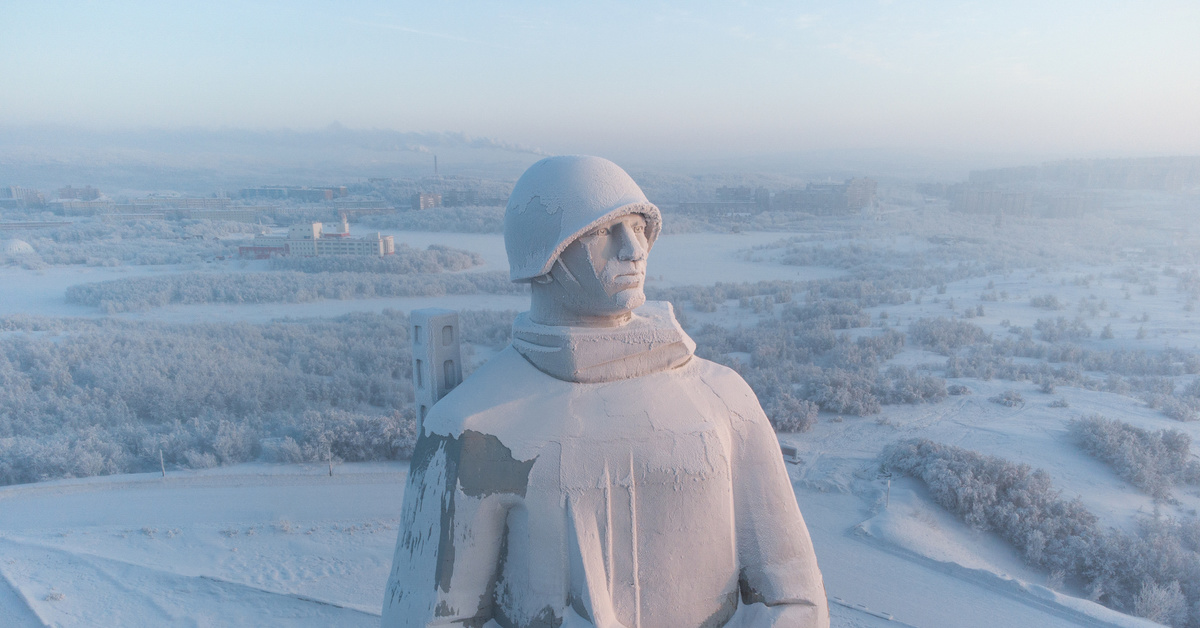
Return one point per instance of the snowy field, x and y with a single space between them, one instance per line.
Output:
260 544
266 545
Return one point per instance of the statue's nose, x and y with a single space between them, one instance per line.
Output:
632 249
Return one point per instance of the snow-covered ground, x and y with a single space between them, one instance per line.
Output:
267 545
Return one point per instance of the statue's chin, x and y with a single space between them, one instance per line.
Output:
629 298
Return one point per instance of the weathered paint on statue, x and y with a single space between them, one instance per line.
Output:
595 472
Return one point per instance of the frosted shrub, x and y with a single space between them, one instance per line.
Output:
489 328
843 392
990 493
353 438
1154 573
1184 408
704 303
405 261
789 414
1046 302
905 385
1009 398
1162 604
140 293
1060 329
234 443
94 397
95 242
1152 461
285 450
197 460
801 354
945 335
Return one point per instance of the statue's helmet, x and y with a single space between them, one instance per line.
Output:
559 199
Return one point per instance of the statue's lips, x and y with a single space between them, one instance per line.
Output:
628 280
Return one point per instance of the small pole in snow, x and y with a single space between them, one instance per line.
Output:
161 463
886 473
330 458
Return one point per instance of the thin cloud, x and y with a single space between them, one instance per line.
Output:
414 31
861 53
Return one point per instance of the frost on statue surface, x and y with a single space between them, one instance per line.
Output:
595 472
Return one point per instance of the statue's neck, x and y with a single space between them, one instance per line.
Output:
548 307
649 342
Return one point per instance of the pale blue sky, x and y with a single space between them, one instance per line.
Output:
1060 78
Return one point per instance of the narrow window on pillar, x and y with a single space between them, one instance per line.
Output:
419 374
447 335
448 368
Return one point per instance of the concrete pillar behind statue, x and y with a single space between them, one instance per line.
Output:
437 356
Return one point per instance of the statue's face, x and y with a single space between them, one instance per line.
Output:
608 264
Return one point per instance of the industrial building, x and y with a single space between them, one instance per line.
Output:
426 201
313 239
13 197
85 193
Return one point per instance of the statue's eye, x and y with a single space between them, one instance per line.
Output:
601 231
639 228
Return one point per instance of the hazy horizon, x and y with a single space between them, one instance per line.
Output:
641 83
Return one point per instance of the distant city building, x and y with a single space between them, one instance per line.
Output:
294 193
362 205
232 213
85 193
69 207
1022 199
1172 174
313 239
179 202
828 199
426 201
13 197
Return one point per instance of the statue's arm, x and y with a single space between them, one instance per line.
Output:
780 582
448 548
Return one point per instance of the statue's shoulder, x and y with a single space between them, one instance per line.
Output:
495 395
725 382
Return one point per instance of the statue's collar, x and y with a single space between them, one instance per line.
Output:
650 342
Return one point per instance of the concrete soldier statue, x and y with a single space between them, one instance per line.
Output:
595 472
